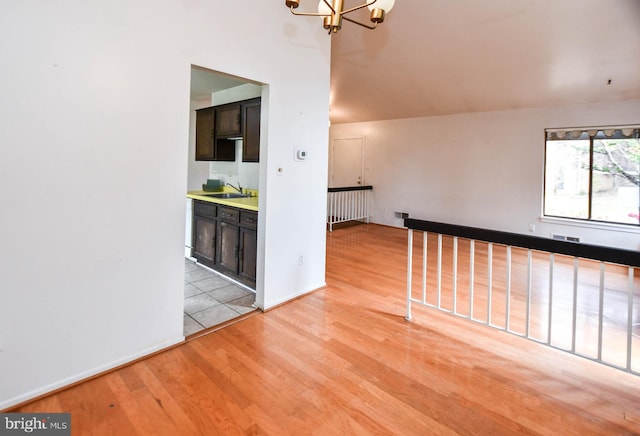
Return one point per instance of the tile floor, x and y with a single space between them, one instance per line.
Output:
210 299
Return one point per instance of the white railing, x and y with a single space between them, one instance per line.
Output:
578 298
348 204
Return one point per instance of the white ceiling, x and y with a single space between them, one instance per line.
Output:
434 57
204 82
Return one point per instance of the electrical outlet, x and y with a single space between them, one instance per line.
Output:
300 259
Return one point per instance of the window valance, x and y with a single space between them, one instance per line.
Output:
610 132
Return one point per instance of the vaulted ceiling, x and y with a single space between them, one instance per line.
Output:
435 57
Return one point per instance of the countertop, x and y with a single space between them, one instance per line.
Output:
249 203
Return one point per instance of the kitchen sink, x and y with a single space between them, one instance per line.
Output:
226 195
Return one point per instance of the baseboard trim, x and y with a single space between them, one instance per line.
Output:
61 385
295 297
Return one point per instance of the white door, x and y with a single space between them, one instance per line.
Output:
347 159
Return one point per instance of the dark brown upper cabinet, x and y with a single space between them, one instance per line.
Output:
228 120
251 142
218 127
209 146
205 134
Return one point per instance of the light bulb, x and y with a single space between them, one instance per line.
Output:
385 5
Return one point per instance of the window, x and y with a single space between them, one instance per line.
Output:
593 174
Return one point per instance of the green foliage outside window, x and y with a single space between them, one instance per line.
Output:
593 176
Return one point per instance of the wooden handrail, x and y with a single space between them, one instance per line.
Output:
576 249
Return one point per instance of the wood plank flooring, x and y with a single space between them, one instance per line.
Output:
343 361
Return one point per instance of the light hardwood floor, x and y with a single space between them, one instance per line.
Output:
343 361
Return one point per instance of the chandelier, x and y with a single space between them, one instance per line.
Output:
332 12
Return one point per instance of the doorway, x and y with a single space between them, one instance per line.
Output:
347 162
210 296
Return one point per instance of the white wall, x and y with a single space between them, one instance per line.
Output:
94 136
477 169
246 174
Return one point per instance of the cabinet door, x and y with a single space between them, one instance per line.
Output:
205 134
228 120
225 150
204 236
227 247
248 251
251 143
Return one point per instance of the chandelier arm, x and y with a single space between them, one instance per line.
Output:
361 24
308 14
357 7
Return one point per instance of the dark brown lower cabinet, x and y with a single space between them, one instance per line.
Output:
226 242
227 248
204 232
248 254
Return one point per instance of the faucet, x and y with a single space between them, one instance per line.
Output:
239 188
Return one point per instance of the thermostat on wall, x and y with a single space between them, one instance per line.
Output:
299 154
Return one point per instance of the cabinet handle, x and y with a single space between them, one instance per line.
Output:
249 220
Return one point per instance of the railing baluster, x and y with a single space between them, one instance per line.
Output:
630 317
439 277
489 280
601 311
331 212
343 205
455 274
425 236
529 277
574 321
353 200
367 196
409 272
550 311
508 291
350 204
471 275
